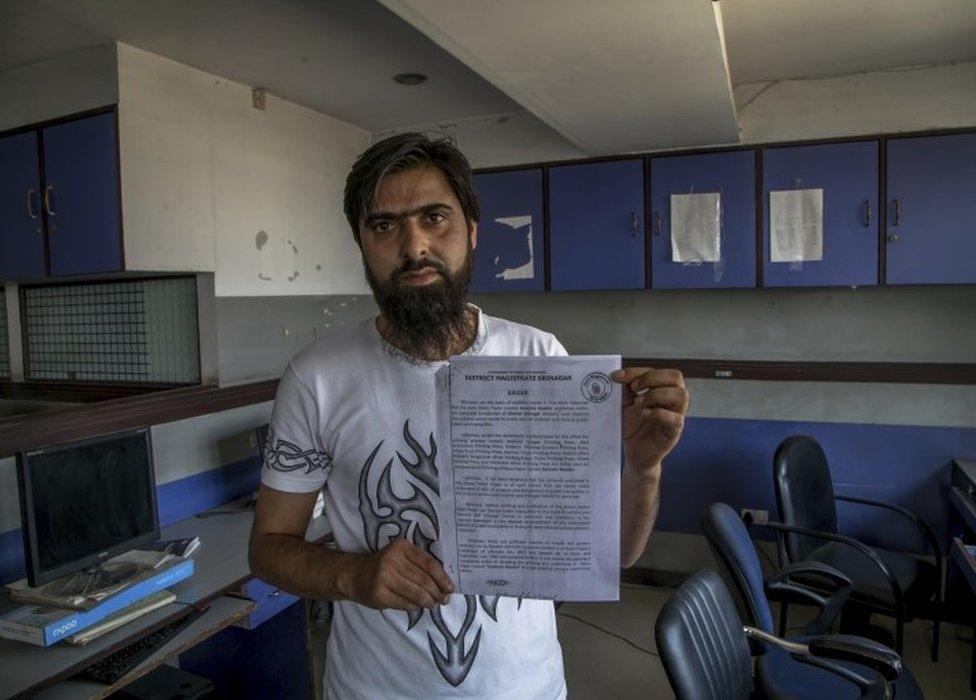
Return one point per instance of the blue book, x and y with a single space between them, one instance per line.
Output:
44 626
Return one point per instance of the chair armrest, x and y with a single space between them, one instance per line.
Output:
812 567
922 526
850 542
780 586
859 650
821 652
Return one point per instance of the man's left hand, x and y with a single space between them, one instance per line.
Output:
655 403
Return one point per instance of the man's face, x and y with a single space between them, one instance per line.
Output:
415 233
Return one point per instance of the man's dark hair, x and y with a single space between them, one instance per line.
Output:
404 152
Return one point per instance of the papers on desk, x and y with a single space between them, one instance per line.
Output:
44 626
144 561
126 614
530 487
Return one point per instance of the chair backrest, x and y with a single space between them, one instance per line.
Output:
703 648
804 492
732 546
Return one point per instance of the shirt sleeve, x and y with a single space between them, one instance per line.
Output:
294 458
556 348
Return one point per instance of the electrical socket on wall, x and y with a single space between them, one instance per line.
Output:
755 516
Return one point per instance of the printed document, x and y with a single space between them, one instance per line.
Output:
530 490
696 222
796 225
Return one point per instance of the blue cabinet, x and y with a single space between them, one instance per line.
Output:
733 176
596 229
931 218
81 196
847 173
510 252
271 661
21 220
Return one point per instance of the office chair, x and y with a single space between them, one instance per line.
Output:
705 650
892 583
780 674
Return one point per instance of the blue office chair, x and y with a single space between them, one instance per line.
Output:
898 584
706 655
778 673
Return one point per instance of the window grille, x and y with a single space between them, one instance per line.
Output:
131 331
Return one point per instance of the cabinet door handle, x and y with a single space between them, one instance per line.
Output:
47 200
30 204
867 212
634 224
897 218
657 223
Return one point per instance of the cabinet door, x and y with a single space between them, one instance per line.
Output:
733 177
596 230
21 222
931 210
81 173
848 175
509 255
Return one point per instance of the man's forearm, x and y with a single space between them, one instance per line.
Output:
302 568
639 499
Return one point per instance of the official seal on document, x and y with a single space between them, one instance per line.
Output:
596 387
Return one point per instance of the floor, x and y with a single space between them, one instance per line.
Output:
601 666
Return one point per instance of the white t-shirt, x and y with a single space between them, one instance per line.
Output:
357 415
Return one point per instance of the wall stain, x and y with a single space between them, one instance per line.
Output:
293 277
262 277
261 239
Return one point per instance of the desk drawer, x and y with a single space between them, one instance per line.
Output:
966 561
269 601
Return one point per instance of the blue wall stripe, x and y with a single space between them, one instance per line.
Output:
12 567
175 501
186 497
718 459
731 460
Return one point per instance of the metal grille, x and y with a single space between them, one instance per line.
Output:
4 338
141 331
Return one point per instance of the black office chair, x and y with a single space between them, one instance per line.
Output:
777 672
899 584
705 650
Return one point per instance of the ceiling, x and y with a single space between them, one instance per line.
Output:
609 76
602 74
335 56
782 39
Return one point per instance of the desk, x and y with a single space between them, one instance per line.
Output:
220 568
962 532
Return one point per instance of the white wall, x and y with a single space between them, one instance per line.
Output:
204 174
59 86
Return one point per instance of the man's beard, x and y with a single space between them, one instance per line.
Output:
429 320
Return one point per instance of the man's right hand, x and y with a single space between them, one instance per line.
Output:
399 576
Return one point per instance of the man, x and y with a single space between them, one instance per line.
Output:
355 412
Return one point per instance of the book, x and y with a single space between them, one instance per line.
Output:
143 562
126 614
44 626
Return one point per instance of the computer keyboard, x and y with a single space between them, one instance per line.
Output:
110 669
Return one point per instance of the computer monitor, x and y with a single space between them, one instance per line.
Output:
84 502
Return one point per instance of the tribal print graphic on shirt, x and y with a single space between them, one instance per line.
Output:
414 518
